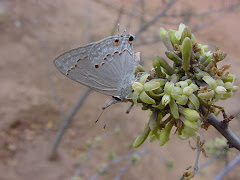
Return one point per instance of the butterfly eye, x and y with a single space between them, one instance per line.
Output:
116 41
130 39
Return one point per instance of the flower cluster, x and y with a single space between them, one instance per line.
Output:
179 95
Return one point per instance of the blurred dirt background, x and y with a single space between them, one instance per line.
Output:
34 32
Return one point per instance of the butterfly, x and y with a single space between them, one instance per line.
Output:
107 66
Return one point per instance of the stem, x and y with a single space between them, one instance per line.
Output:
233 140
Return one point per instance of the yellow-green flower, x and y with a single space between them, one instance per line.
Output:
217 89
184 92
140 88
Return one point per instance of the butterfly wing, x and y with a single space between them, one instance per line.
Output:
100 65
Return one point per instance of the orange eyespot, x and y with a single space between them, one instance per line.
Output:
116 41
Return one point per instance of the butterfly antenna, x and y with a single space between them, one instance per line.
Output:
107 117
99 116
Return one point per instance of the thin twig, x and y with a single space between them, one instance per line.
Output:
123 170
209 161
66 121
43 45
156 18
206 13
208 24
199 150
233 140
131 15
89 154
228 168
118 160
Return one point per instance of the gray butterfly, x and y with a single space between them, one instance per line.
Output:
107 66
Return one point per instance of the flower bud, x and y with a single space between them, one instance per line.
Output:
191 124
186 33
228 78
235 88
168 69
228 85
165 39
220 90
227 95
210 81
172 36
186 49
142 137
165 133
206 95
158 69
140 68
189 114
172 56
137 87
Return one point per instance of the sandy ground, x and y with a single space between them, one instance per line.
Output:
32 34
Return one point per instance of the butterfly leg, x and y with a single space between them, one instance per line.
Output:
129 109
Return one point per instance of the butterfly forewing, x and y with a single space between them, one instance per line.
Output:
106 66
